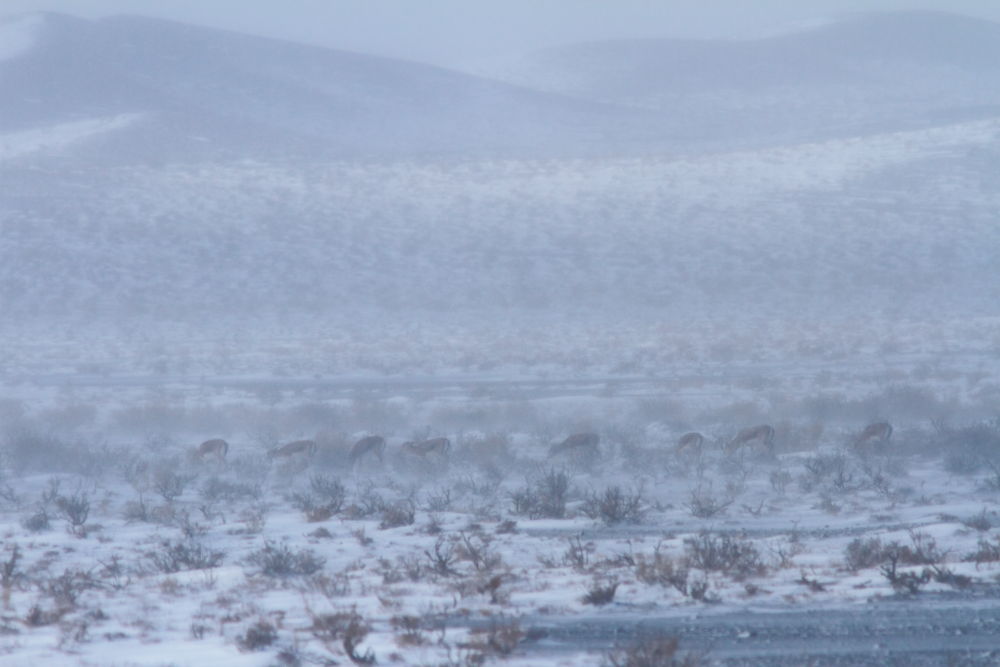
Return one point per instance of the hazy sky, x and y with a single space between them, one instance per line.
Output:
462 32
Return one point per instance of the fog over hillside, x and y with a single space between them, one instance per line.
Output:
158 174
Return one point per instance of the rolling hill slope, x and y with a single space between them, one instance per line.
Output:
873 72
205 93
153 173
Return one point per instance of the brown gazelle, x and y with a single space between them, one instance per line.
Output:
436 446
216 447
762 435
305 447
577 445
366 447
874 434
690 441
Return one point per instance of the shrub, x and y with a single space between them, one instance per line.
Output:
215 489
614 506
37 521
442 558
169 483
972 448
499 639
257 637
831 468
330 489
398 514
986 551
724 553
347 628
544 498
185 555
75 509
601 594
704 506
278 560
863 553
475 548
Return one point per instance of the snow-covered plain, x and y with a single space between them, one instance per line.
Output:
469 556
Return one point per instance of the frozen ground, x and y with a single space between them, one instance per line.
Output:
490 552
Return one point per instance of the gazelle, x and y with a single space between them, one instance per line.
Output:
692 440
436 446
762 435
578 444
877 433
307 447
372 444
216 447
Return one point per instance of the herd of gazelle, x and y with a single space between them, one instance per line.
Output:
367 447
576 445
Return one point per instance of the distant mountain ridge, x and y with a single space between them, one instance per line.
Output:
204 93
207 91
872 72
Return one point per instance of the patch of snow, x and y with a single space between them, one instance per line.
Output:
54 137
18 35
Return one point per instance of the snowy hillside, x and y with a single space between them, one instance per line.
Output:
174 175
210 94
892 221
872 72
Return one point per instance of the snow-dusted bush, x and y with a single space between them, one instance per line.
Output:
279 560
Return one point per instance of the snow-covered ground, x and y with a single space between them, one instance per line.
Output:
60 136
123 551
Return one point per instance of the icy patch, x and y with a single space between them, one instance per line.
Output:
18 35
17 144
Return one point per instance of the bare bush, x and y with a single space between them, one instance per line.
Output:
971 449
329 489
215 489
401 513
169 483
724 553
601 593
980 522
986 551
614 506
278 560
37 521
476 549
179 556
257 637
75 509
780 479
704 505
498 640
443 557
862 553
830 470
348 629
545 497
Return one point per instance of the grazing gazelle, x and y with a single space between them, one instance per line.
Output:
692 440
874 434
372 444
761 435
437 446
216 447
577 445
307 447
